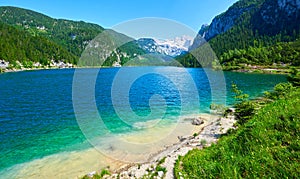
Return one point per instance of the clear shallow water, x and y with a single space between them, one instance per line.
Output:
37 117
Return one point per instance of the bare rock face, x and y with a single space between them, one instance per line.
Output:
219 25
289 6
224 22
265 16
274 11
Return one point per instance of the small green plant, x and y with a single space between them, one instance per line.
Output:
218 108
294 77
280 90
95 176
160 168
195 134
162 161
104 172
203 142
239 95
227 112
245 109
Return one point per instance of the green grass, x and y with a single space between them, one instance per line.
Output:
266 146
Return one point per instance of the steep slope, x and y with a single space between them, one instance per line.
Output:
19 45
266 146
169 47
66 35
228 19
71 35
264 23
252 23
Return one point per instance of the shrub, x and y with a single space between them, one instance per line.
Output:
280 90
218 108
294 77
160 168
244 111
244 108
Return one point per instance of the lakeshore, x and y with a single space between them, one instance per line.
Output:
52 142
91 161
203 135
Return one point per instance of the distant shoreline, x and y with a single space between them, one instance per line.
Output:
260 70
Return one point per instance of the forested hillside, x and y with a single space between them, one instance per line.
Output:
249 25
29 37
71 35
19 45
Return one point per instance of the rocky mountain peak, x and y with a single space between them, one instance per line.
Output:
170 47
273 11
222 23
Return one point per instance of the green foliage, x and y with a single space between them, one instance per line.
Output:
97 175
244 109
218 108
188 60
252 40
162 161
19 45
281 90
202 56
71 35
104 172
250 30
280 53
267 146
294 77
160 168
239 95
203 142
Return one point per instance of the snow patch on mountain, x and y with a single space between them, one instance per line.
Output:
170 47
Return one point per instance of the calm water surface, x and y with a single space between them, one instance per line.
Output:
37 116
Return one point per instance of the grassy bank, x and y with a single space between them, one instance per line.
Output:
266 146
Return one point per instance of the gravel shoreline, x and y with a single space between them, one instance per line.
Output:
161 165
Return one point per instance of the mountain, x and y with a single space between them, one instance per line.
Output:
251 23
169 47
71 35
19 45
68 37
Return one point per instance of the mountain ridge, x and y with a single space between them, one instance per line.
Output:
72 35
170 47
246 24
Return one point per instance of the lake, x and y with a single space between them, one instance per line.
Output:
48 115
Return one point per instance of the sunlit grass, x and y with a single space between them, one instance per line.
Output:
266 146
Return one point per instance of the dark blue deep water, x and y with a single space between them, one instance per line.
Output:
37 116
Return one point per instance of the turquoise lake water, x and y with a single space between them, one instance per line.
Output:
37 116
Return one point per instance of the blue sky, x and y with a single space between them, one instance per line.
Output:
108 13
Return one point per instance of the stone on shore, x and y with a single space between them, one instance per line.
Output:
160 174
197 121
91 174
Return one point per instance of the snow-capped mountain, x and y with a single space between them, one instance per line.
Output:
170 47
